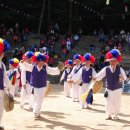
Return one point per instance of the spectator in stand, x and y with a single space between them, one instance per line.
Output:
2 30
101 65
45 51
101 36
107 48
51 61
26 30
16 38
96 66
24 38
52 51
120 47
63 43
57 28
94 33
16 53
76 38
80 32
42 42
68 45
64 53
91 48
102 57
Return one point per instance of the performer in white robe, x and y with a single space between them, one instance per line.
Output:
86 74
4 82
14 76
38 80
25 79
73 74
114 76
67 71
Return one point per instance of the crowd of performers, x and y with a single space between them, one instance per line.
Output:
31 73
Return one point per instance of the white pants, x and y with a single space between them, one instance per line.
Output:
1 104
67 87
82 90
75 91
71 92
14 88
113 102
26 94
38 96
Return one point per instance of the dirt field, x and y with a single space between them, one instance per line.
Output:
60 113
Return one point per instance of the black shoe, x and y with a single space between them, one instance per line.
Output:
108 118
1 128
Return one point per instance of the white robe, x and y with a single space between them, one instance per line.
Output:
113 101
2 92
75 85
14 88
25 93
39 93
85 86
67 85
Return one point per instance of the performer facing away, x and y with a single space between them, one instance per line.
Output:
114 76
38 80
14 76
67 71
4 82
74 73
86 74
25 78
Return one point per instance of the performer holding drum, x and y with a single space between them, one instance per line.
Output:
86 74
38 80
4 82
114 76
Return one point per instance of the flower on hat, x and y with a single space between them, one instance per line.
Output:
114 54
4 45
34 56
77 57
29 54
40 57
89 57
68 62
47 59
14 62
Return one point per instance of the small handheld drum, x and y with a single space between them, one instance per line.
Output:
61 66
8 102
96 86
48 88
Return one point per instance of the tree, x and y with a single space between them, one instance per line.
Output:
70 16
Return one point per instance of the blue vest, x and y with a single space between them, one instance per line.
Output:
86 75
28 76
2 78
66 75
38 78
113 82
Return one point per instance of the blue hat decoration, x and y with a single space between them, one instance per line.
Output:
68 62
77 57
29 54
40 57
89 57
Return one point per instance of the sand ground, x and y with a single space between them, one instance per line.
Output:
60 113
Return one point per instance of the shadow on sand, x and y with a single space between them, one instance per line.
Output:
53 123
